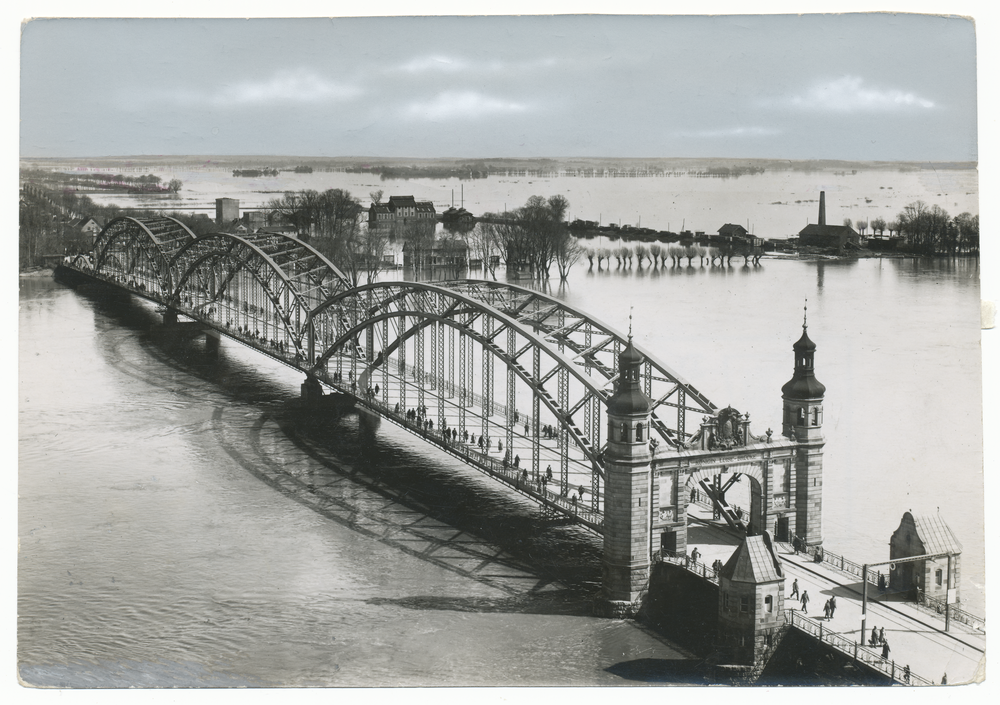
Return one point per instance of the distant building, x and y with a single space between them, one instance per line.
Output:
730 231
920 535
226 210
400 208
443 252
88 226
457 216
255 220
836 237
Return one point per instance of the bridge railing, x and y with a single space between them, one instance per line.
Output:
849 567
495 408
684 561
511 474
860 653
958 614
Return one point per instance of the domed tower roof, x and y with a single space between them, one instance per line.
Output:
803 384
804 344
629 398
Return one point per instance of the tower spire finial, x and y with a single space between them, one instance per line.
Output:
630 324
805 310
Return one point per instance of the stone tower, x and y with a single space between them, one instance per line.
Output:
802 421
627 493
751 601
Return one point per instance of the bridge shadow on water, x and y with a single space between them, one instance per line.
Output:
380 482
663 671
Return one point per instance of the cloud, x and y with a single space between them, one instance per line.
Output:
297 86
849 94
731 132
457 105
424 64
438 63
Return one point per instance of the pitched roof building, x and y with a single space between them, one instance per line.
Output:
400 208
921 535
830 236
729 231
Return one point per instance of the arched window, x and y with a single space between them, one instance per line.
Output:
624 432
638 433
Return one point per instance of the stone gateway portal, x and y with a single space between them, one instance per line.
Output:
650 487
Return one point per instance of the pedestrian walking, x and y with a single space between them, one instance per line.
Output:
944 679
885 650
826 610
795 589
881 635
695 555
873 640
906 674
805 601
833 605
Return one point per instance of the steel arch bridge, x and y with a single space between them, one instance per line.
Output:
512 381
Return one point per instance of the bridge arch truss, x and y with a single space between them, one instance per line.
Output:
500 362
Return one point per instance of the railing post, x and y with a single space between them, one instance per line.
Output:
864 599
947 601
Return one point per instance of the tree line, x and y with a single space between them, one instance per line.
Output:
927 230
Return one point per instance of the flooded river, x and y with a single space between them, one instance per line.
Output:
182 524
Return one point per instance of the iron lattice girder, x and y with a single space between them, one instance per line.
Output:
428 303
574 330
157 238
280 279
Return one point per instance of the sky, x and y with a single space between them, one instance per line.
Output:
849 86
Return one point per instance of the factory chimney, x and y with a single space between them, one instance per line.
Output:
822 207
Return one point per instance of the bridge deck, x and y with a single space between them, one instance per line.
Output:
915 637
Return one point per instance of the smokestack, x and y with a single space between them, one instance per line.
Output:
822 207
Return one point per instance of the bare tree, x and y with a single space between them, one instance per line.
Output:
568 252
656 251
641 253
482 241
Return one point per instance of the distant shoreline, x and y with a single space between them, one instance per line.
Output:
513 163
